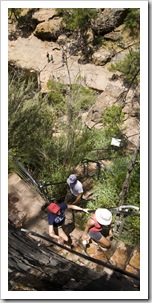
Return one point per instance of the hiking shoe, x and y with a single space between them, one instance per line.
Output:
102 248
74 243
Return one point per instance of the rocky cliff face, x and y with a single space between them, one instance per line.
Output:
28 46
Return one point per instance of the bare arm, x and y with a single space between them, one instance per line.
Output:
89 224
77 208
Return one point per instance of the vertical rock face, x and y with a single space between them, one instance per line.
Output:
109 19
24 203
48 30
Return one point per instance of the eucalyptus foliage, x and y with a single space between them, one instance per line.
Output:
132 22
78 18
14 13
37 126
129 67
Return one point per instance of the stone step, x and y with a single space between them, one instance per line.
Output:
121 255
133 264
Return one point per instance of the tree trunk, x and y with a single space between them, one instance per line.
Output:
70 130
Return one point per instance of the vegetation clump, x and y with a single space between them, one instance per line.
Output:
130 68
79 19
47 134
132 22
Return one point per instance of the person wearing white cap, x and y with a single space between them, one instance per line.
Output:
102 217
76 190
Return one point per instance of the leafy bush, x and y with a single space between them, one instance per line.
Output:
131 232
107 190
133 196
77 18
36 133
112 116
14 13
99 41
84 97
132 22
130 68
106 195
30 120
56 93
112 120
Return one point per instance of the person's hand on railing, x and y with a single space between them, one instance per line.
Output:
86 210
60 241
85 236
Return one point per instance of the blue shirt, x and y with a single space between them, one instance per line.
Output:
56 220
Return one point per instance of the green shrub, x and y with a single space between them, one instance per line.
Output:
77 18
84 97
131 232
130 68
14 13
132 22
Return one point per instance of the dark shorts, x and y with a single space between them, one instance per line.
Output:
69 198
95 235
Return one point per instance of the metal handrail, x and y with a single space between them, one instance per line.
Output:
110 266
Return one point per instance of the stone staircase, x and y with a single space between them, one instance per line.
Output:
24 210
120 255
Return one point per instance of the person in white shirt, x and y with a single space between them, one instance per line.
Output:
75 190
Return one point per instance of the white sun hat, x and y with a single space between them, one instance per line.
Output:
103 216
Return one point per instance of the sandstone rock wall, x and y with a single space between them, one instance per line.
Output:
29 53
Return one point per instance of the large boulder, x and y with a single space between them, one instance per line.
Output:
102 56
62 39
29 53
109 19
113 95
132 130
49 30
105 100
114 36
44 14
95 77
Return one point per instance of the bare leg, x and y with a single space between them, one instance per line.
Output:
104 242
62 234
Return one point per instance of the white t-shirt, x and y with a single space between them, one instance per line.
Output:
76 188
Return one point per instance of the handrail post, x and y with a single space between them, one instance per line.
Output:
122 226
